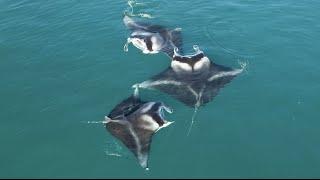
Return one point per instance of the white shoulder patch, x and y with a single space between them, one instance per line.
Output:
148 123
201 65
157 42
180 67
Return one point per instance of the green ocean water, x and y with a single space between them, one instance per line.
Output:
62 64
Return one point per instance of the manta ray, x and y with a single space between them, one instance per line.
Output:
152 39
192 79
134 122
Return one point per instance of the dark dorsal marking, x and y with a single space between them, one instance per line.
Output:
189 60
154 110
158 119
149 43
126 107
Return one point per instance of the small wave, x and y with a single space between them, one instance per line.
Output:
244 65
130 11
125 47
211 36
96 122
113 154
113 149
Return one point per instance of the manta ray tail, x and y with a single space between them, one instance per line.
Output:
196 108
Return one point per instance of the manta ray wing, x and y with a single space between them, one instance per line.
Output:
144 138
121 131
174 41
133 25
176 38
126 107
218 78
134 136
173 84
192 89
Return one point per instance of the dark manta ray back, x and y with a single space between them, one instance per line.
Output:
194 79
134 122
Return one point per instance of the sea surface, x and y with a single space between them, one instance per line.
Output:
63 67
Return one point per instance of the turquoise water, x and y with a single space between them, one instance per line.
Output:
62 64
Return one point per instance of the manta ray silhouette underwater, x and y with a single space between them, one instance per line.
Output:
192 79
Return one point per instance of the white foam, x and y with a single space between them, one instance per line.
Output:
97 122
178 29
113 148
125 47
243 65
145 15
113 154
